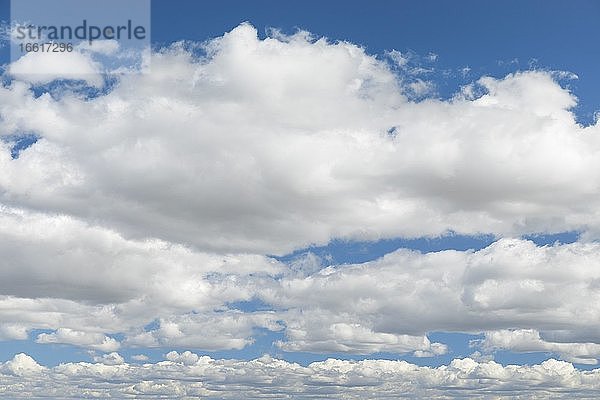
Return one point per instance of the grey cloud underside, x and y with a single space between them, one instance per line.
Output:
186 376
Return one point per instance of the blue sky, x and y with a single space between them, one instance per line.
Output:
454 44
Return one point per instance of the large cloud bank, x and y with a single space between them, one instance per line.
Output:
87 283
150 211
186 375
270 145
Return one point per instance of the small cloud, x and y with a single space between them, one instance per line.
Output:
398 58
68 65
508 63
564 75
97 341
106 47
479 357
113 358
140 357
185 358
23 365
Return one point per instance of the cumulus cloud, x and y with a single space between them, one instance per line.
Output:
97 341
140 357
84 282
511 283
271 145
99 284
62 257
210 331
188 375
71 65
113 358
325 330
185 358
524 340
20 366
149 210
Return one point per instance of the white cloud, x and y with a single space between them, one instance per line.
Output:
113 358
185 358
512 283
92 281
188 375
209 331
529 340
40 68
59 256
13 332
250 150
96 341
85 284
140 357
339 330
157 202
398 58
61 273
21 366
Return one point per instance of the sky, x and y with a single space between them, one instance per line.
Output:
316 199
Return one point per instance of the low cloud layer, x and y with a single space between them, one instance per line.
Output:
86 284
188 375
